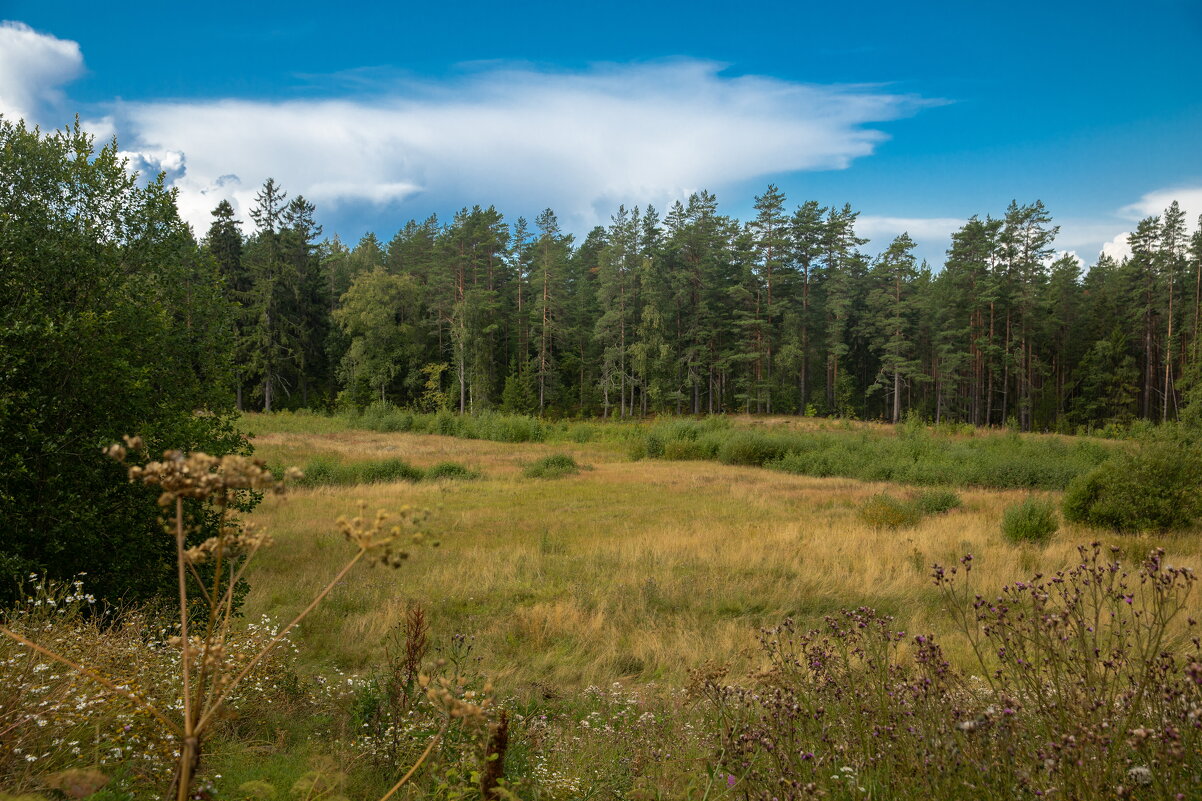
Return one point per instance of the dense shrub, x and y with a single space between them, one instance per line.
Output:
384 471
554 466
1156 485
751 448
687 450
1033 520
936 501
324 471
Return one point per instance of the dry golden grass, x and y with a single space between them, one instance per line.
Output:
632 569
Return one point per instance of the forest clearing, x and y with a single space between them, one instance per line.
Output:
578 404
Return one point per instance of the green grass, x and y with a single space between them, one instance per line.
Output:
949 456
326 471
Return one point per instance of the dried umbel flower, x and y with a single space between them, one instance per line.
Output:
461 705
382 535
235 541
205 477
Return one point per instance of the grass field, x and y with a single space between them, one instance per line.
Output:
633 570
638 599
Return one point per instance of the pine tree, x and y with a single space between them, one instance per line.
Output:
890 312
273 334
770 237
550 255
299 248
842 264
224 242
616 286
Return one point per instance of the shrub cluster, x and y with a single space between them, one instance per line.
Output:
111 319
916 455
1154 484
494 426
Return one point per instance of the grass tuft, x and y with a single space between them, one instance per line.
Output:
1033 520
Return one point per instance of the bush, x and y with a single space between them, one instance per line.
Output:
1154 486
751 448
384 471
554 466
936 501
1033 520
885 511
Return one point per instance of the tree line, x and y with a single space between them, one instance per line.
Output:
697 312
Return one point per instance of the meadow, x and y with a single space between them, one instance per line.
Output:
664 610
633 570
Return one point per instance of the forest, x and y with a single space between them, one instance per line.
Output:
696 312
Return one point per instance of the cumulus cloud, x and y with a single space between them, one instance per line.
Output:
580 142
33 67
1118 248
1155 202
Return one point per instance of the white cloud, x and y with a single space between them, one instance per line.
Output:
32 68
1155 202
580 142
1117 248
925 230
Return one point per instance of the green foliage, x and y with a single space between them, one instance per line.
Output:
915 456
1033 520
518 395
1153 485
937 501
751 448
554 466
379 316
111 323
494 426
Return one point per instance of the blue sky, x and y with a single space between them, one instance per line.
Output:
917 114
